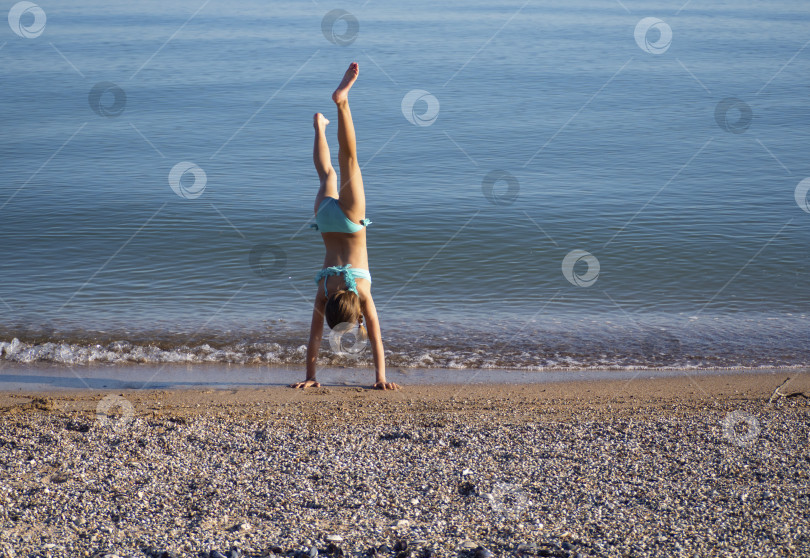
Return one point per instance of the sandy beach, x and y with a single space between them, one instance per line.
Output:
684 466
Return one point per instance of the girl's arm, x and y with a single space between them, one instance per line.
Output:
315 334
375 339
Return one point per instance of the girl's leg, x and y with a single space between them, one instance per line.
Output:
352 197
323 162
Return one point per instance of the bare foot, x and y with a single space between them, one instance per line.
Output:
341 94
319 121
385 385
305 384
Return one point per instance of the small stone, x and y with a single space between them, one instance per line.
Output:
216 554
402 524
401 546
527 548
482 552
469 545
59 478
313 552
77 426
466 472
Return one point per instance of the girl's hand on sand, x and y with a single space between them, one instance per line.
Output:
306 384
385 385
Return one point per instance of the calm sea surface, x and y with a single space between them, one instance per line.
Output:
551 184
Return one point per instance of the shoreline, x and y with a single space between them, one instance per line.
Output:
45 377
674 385
580 345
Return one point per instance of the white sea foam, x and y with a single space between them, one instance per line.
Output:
405 355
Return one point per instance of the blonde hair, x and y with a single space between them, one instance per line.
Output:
344 306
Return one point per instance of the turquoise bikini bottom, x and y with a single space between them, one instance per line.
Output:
330 218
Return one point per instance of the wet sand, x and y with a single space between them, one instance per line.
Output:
567 396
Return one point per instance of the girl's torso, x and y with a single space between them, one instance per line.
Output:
342 249
345 248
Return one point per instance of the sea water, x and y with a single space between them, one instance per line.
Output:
553 185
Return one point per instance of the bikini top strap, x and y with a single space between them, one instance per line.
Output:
348 276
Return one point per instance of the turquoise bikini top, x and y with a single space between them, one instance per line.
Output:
348 276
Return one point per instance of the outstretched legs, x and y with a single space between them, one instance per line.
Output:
323 162
352 197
